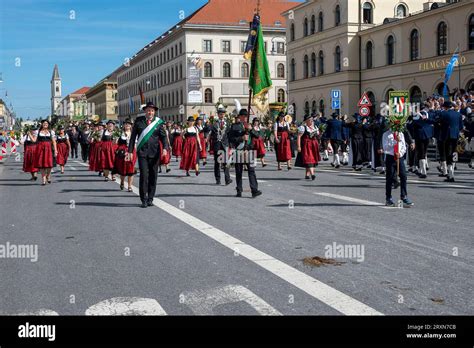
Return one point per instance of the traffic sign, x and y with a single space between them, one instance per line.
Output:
364 101
336 104
336 94
364 111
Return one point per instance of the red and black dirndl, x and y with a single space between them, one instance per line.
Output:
309 156
259 146
202 153
43 152
63 152
190 152
97 154
107 155
92 156
177 145
121 166
283 148
29 157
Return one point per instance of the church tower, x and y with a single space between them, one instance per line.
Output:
55 90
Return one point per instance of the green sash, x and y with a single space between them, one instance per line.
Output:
148 131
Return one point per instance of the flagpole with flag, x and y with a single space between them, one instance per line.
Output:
449 71
131 103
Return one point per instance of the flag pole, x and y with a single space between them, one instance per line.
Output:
252 64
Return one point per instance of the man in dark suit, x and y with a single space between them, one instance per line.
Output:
219 139
451 126
150 130
73 140
84 141
334 133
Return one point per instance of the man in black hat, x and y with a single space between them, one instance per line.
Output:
150 130
220 143
242 147
451 126
84 141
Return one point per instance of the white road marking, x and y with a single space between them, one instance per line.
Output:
332 297
202 302
351 199
126 306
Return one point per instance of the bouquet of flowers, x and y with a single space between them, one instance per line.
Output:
397 122
322 128
116 133
96 135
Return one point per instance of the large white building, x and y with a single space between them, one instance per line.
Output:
216 33
375 46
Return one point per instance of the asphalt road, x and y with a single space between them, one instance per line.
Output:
200 250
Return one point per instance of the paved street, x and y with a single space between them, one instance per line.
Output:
203 251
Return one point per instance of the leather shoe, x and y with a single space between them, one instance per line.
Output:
239 194
150 203
144 205
256 194
228 182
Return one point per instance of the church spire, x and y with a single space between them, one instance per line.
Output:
56 73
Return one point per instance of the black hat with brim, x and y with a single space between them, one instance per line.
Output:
307 117
243 112
190 119
129 121
447 104
150 105
281 114
110 121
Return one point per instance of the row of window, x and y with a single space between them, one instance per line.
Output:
244 70
161 58
207 46
310 26
309 67
441 44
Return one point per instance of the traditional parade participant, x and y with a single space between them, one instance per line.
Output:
95 141
411 153
84 141
123 166
63 145
241 146
218 139
357 142
166 156
107 152
45 150
73 135
346 138
469 125
334 133
257 134
191 148
202 139
281 131
368 133
177 141
451 126
423 132
29 142
394 146
269 146
150 131
379 127
308 147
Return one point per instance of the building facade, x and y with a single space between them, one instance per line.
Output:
74 106
7 117
375 46
102 99
55 90
212 38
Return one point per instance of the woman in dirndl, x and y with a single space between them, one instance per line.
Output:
308 147
177 147
121 166
45 150
165 159
63 145
191 148
281 131
257 135
202 139
107 153
29 148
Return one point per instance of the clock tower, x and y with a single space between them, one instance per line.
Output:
55 90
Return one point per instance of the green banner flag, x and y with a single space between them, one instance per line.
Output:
259 80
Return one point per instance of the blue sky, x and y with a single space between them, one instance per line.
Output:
86 49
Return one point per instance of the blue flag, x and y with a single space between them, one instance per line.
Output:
449 72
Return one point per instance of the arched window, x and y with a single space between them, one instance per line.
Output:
313 64
337 15
415 95
292 32
320 22
180 70
281 70
244 70
305 27
305 66
367 13
281 95
172 74
414 45
369 55
387 95
226 70
337 59
401 11
208 95
390 50
208 69
471 32
306 108
293 70
313 24
442 39
470 86
321 107
321 63
313 107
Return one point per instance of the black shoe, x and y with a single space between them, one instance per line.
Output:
144 205
307 177
358 169
168 170
439 169
187 174
313 177
99 174
197 173
204 164
338 166
443 175
239 194
121 187
150 203
264 165
333 165
228 182
470 165
449 180
218 182
159 171
256 194
422 176
382 172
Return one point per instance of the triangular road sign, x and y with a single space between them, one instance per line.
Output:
364 101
